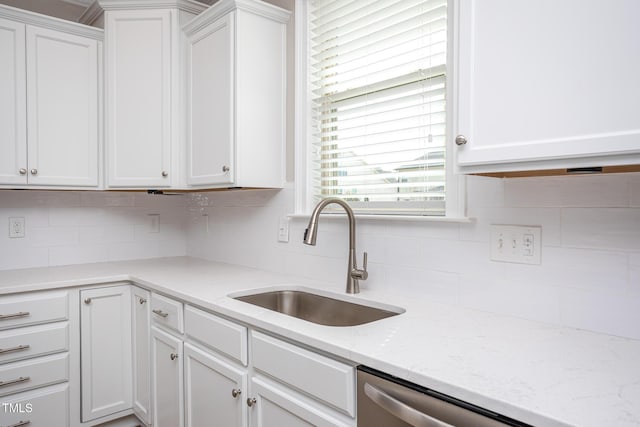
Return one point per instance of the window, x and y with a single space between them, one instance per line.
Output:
377 88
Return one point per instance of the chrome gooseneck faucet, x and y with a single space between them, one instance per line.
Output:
354 275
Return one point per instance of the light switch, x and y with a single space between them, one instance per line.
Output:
516 243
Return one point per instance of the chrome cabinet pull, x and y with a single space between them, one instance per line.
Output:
401 410
165 174
14 315
22 171
87 301
20 423
12 349
225 169
160 313
34 171
174 356
461 140
16 381
143 300
251 401
236 392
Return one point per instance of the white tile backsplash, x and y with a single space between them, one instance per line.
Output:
72 227
589 277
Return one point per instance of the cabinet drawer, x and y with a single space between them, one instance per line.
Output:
326 379
167 313
32 341
27 374
216 333
32 308
45 407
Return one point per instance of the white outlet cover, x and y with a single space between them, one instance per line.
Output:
519 244
283 230
16 227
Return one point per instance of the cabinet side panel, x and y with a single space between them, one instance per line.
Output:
260 97
13 123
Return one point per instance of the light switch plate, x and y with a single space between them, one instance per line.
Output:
520 244
283 230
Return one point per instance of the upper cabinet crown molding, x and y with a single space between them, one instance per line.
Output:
97 8
223 7
50 22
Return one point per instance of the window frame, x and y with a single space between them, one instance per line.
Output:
303 205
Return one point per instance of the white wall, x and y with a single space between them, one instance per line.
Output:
68 227
590 272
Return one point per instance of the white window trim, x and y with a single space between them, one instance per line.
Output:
456 184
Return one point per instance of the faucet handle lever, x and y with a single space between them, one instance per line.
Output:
360 274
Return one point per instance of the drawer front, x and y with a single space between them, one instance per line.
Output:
167 313
32 341
219 334
24 375
32 308
45 407
326 379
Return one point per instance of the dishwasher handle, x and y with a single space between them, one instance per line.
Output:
401 410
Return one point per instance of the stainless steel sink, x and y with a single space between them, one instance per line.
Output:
319 309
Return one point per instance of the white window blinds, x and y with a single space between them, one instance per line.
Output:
378 98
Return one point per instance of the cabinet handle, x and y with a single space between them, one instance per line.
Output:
22 171
143 300
174 356
87 301
20 423
461 140
165 174
251 401
12 349
236 392
34 171
14 315
225 169
160 313
16 381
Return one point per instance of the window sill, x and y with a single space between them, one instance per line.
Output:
409 218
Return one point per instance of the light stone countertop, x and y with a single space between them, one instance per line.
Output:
538 373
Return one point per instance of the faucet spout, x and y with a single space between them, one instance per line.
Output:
354 275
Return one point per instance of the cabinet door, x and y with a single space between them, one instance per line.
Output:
210 125
276 406
138 97
105 345
214 390
141 320
13 108
547 81
167 379
62 108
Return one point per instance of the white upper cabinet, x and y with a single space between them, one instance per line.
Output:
138 84
547 84
50 81
144 55
236 79
62 108
13 109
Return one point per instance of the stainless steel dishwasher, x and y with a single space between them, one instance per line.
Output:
386 401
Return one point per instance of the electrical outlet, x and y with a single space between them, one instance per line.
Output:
16 227
518 244
154 223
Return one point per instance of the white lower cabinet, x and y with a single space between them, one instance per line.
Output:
278 406
44 407
167 379
105 345
214 390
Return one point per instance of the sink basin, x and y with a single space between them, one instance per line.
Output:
319 309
